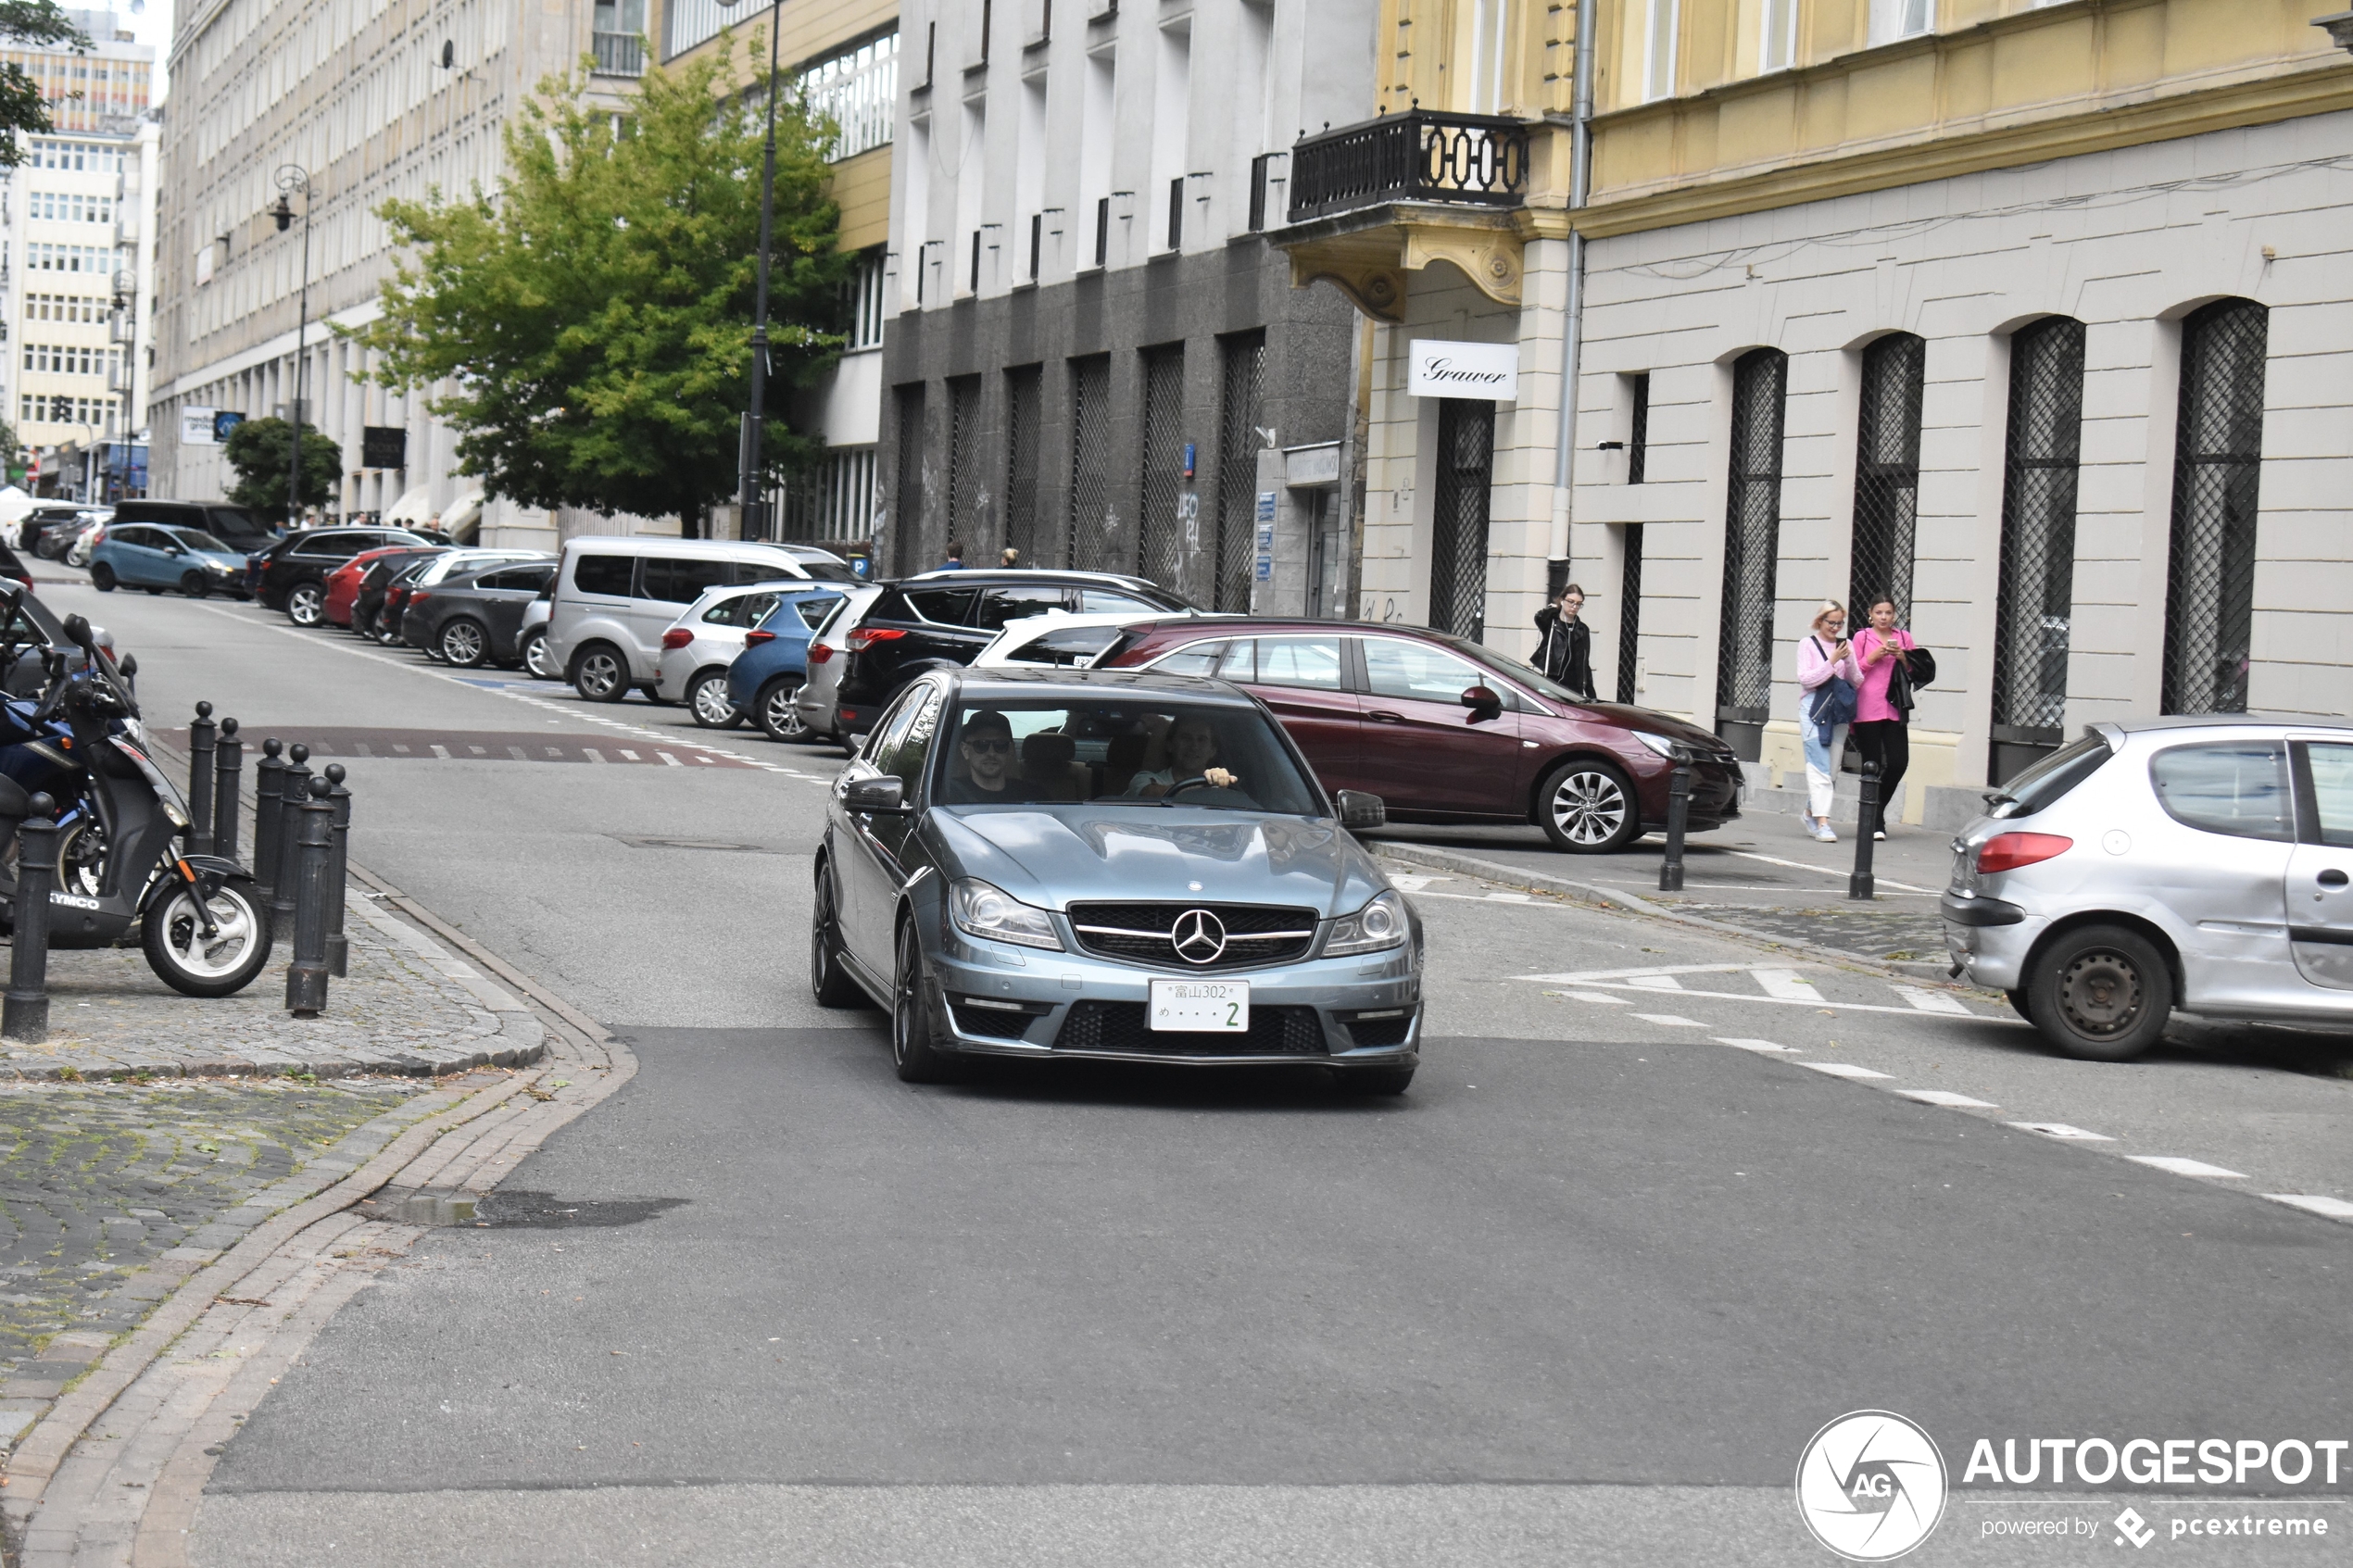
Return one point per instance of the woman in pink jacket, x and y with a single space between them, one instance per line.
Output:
1881 731
1824 709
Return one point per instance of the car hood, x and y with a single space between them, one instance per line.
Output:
1053 855
1624 716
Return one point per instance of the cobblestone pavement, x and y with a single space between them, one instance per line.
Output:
111 1194
1894 934
408 1007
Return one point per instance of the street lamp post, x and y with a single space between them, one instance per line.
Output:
751 493
293 177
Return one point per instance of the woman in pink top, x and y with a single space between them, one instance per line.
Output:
1881 733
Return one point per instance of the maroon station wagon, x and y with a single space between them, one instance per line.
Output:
1446 731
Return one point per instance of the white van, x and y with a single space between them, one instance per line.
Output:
614 598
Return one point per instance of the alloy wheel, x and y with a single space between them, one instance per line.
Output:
601 677
463 644
906 998
780 712
535 657
1588 807
306 606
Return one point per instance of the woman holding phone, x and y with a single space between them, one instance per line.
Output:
1882 731
1826 678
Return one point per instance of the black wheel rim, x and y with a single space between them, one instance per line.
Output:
2100 994
820 932
903 999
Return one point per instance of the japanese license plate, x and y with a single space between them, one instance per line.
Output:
1202 1006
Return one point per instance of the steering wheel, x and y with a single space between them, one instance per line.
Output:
1199 781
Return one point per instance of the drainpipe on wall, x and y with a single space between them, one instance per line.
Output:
1580 176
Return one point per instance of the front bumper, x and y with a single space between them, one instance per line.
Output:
1077 1006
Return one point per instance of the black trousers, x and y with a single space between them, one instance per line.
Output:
1887 741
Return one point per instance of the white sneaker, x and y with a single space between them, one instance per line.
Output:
1822 833
1881 836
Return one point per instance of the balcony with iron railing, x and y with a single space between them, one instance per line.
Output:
619 54
1421 155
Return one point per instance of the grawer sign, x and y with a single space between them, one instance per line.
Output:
1484 370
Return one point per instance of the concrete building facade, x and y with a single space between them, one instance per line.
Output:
1092 356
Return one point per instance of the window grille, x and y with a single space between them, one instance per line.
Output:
1630 611
1638 435
966 512
1751 550
1887 476
2217 461
2035 610
1458 563
907 500
834 500
1024 387
1092 523
1239 413
1160 536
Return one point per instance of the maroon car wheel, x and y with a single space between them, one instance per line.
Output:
1588 807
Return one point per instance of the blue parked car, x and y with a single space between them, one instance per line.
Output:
156 555
766 676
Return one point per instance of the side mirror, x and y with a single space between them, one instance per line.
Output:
886 795
130 666
1482 701
1358 809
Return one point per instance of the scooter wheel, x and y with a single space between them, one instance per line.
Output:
194 965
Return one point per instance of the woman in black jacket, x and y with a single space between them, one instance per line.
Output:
1567 652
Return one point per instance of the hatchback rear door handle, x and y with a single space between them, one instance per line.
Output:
2333 878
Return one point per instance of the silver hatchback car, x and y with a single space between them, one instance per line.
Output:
2204 864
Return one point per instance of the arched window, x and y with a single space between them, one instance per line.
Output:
2218 458
1751 550
2035 609
1887 475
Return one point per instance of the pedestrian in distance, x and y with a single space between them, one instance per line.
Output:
1011 559
1883 717
1826 676
1565 653
955 562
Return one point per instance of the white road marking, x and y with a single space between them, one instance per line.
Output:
440 751
1506 898
1604 976
1823 871
2181 1167
1752 997
669 760
1946 1097
1933 1001
1655 983
1601 996
1788 984
1841 1070
2059 1130
1413 882
1670 1020
2313 1203
591 753
630 756
1752 1045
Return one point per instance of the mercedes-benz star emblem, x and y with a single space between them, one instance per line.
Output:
1198 936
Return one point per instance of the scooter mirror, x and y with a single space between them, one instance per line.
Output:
78 632
130 666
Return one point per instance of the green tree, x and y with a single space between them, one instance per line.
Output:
22 106
11 450
258 450
594 315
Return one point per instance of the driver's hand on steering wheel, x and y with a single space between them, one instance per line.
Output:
1220 779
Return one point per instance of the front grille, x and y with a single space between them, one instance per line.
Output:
1122 1026
1255 934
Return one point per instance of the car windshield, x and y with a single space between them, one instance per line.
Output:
1147 753
197 539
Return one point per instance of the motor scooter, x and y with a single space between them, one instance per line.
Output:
200 918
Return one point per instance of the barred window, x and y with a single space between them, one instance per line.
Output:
2218 460
1023 413
908 499
1630 613
1091 520
1160 536
1887 475
967 499
1239 414
1458 564
1751 550
2035 610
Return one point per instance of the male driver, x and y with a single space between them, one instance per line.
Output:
1192 747
986 747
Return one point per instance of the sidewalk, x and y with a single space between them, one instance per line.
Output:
1762 874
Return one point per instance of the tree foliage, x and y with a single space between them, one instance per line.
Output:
258 450
593 317
22 109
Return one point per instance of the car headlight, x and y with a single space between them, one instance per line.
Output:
1673 750
982 910
221 566
1378 925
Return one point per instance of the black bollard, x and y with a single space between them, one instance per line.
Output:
338 860
24 1014
307 864
294 784
269 795
200 780
1678 816
1859 885
228 761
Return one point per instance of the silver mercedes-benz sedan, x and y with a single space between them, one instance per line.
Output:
1061 864
2194 863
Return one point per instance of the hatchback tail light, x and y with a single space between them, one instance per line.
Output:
676 637
820 652
416 598
753 639
2008 852
867 636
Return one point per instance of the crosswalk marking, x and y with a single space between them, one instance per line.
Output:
2181 1167
1841 1070
1932 1001
1946 1097
2313 1203
1748 1044
1788 984
2061 1130
1670 1020
1777 984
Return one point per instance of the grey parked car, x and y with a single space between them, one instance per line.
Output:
1110 865
2197 863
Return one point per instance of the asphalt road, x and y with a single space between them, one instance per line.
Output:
1656 1208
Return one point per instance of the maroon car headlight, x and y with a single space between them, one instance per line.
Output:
1672 749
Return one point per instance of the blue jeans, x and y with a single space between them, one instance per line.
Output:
1821 769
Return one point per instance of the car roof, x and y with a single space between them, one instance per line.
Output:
1080 685
720 549
980 576
2220 722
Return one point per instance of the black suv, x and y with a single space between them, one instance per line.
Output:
946 618
233 526
292 574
